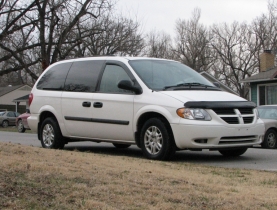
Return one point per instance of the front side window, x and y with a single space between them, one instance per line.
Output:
158 74
112 75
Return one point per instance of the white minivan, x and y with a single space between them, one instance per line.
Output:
159 105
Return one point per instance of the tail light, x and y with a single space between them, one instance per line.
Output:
31 96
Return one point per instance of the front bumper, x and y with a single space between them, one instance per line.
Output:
203 136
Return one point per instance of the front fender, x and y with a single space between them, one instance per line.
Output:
168 112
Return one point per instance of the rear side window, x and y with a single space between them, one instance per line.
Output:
54 78
83 76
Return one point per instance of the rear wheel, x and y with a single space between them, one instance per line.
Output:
121 146
270 139
5 124
51 136
20 126
233 152
157 142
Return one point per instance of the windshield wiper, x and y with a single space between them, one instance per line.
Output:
191 84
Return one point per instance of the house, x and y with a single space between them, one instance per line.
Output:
13 98
214 80
263 86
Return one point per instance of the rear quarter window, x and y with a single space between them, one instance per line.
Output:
54 78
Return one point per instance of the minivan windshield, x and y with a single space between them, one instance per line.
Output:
169 75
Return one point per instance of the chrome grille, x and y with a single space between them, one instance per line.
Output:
222 111
246 110
242 115
248 120
231 120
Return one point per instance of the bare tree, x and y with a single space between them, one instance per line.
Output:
38 31
158 45
265 28
237 49
58 19
192 43
111 35
13 23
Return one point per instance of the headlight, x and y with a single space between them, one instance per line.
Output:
193 114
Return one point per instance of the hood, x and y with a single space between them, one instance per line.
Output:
185 96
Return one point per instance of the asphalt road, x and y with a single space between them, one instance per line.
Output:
255 158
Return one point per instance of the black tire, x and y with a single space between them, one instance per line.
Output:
156 139
233 152
270 138
20 127
50 134
5 124
121 146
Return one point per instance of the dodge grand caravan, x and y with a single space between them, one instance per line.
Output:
159 105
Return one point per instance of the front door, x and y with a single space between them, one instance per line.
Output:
113 107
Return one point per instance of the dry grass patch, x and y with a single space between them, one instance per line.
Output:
36 178
13 129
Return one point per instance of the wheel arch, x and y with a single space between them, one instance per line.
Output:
266 143
146 116
6 121
272 128
42 117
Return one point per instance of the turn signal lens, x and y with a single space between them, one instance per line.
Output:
193 114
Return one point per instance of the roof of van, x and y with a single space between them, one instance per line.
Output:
112 58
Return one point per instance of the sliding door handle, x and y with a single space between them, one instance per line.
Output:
86 104
97 104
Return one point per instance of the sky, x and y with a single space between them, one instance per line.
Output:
161 15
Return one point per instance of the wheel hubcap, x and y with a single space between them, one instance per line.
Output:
5 124
20 126
48 135
271 139
153 140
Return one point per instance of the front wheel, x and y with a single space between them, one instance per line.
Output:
5 124
270 139
51 136
20 127
156 140
233 152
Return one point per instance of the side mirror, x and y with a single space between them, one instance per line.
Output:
127 85
217 84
